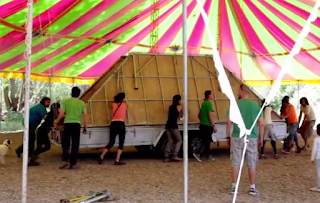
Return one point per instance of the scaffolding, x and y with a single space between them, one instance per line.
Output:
155 7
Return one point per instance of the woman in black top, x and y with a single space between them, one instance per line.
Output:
173 133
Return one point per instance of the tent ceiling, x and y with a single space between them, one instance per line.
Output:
83 38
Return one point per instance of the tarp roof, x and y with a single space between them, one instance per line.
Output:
83 38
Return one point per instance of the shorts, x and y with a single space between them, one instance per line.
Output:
236 151
307 128
269 133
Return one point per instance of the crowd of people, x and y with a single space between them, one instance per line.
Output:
72 111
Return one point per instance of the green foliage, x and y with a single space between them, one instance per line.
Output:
11 120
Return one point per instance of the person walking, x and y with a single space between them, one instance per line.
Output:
117 127
37 113
43 141
207 125
306 129
269 132
249 111
72 110
290 114
315 157
173 133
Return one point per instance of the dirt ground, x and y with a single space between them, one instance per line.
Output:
148 180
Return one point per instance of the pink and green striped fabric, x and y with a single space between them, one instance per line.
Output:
78 40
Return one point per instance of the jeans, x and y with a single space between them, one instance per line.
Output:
32 139
174 142
42 139
206 135
292 130
71 131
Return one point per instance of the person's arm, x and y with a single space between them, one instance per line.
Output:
300 115
210 113
179 107
61 116
261 128
314 149
85 117
228 128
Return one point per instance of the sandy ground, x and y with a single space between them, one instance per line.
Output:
148 180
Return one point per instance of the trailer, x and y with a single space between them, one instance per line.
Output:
149 82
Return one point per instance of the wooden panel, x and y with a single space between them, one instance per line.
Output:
151 81
100 116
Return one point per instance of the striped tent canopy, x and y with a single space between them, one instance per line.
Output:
76 41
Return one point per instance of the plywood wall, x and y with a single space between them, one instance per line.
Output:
150 82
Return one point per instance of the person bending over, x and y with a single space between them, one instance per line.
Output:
269 132
37 113
207 125
306 129
117 127
43 140
173 133
249 111
72 110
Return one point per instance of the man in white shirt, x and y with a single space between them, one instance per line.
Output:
269 132
315 157
306 129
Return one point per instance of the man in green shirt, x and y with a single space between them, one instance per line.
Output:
249 111
72 109
207 126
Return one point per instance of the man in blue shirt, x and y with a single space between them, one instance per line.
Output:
37 113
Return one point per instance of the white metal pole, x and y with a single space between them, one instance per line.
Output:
185 101
26 102
1 104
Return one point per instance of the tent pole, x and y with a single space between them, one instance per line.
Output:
26 102
185 100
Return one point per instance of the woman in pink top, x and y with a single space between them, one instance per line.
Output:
117 127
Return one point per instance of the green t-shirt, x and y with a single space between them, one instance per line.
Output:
249 111
74 108
206 107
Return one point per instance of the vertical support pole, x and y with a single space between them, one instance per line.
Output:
185 105
143 91
177 75
1 102
26 102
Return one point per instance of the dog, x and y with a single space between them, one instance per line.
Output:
4 149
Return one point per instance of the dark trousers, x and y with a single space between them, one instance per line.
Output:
32 139
205 134
43 141
71 131
117 128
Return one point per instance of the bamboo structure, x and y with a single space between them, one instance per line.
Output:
150 81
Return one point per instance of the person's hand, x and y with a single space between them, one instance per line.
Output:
55 126
181 119
228 142
215 130
260 143
85 129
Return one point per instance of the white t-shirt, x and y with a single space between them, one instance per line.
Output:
315 149
308 112
267 115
